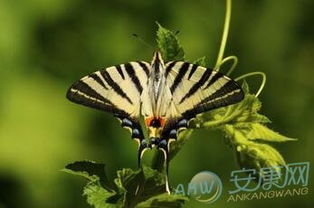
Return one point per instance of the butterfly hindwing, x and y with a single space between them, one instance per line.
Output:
112 89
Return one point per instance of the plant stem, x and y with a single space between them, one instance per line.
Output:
224 35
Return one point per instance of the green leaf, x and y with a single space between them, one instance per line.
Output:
98 196
245 87
124 176
257 155
130 187
251 154
257 131
169 45
91 170
139 185
245 129
164 200
201 61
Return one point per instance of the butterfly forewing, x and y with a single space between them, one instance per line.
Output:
197 89
114 89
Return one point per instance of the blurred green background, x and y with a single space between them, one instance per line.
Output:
45 45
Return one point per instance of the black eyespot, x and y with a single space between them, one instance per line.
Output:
183 123
173 134
162 143
126 122
136 133
153 140
143 143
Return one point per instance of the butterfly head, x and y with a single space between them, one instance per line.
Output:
157 65
157 59
156 81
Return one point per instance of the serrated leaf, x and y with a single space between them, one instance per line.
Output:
169 45
200 61
257 131
253 154
164 200
259 118
245 87
91 170
98 197
257 155
131 187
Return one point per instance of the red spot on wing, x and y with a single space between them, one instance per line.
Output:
148 120
162 121
152 121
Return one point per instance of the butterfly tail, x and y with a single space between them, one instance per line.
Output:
164 147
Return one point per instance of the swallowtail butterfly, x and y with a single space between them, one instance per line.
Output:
167 95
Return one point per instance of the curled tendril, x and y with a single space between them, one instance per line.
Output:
233 66
254 74
220 60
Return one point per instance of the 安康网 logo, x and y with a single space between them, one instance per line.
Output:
266 183
270 182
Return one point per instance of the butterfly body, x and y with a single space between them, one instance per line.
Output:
167 95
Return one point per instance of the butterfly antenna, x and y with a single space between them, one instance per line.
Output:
142 41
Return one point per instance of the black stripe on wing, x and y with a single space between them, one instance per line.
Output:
95 77
230 93
119 70
181 73
198 84
82 93
131 72
85 89
114 85
169 68
212 81
193 70
144 67
227 88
